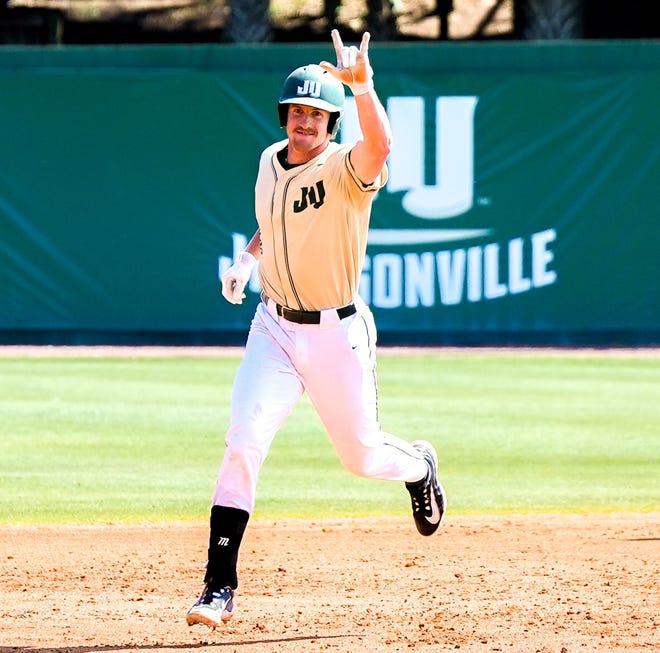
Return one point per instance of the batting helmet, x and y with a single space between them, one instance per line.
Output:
313 86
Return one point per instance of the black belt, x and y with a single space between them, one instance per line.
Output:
308 317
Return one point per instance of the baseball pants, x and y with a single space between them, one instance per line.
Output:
334 362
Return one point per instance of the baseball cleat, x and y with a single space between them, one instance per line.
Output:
212 608
428 496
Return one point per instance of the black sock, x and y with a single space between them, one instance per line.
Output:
227 528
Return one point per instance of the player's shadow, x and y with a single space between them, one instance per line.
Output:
64 648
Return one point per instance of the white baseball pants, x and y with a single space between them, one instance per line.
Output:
334 362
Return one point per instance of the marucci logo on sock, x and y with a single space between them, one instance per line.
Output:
223 541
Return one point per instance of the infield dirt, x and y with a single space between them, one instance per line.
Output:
534 583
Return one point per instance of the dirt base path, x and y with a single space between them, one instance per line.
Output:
551 583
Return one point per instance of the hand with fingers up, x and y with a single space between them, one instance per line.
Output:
353 67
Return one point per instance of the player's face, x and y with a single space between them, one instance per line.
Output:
307 129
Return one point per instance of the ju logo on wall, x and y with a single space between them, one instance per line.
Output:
428 259
441 273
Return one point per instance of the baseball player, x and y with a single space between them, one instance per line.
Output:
311 332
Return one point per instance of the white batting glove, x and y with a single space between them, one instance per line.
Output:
353 67
235 278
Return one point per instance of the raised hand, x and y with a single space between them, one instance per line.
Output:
353 67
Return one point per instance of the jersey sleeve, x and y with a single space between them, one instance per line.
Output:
375 185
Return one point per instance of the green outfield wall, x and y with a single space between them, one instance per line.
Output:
522 203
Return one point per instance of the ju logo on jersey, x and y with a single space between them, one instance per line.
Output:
430 259
310 196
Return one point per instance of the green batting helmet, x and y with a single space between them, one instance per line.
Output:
313 86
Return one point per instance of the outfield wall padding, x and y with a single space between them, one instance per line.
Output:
522 204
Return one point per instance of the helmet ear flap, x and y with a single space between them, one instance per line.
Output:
283 110
333 123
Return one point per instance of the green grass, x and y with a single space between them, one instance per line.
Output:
140 439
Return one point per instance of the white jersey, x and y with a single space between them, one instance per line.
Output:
314 221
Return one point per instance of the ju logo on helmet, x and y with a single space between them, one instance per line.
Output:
310 88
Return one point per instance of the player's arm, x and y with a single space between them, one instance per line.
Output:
235 278
254 246
368 156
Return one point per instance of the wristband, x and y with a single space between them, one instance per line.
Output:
362 89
